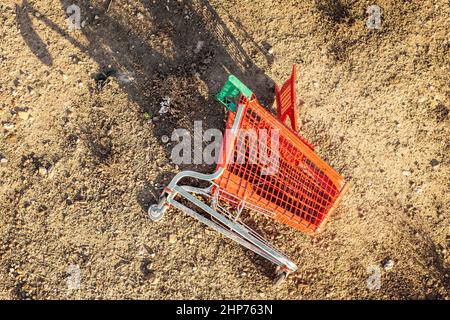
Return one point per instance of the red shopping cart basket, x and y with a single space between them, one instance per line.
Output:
304 190
264 166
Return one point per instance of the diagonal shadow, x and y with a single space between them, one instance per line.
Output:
108 40
31 38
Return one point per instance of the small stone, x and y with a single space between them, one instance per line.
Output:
149 267
8 126
434 163
140 16
164 105
37 14
406 173
125 77
153 279
199 46
96 17
3 160
172 238
164 139
388 265
23 115
270 51
42 171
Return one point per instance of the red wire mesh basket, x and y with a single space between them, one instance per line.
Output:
302 192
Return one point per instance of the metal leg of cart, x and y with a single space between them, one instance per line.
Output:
219 222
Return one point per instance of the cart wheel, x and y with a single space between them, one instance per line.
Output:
279 279
156 213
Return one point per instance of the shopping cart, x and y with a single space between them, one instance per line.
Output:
281 178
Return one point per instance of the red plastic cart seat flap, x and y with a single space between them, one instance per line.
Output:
287 105
286 100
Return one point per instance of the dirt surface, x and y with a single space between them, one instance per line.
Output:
82 155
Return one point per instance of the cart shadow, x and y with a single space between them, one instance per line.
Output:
29 35
118 50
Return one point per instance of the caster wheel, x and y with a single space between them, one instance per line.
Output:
279 279
155 213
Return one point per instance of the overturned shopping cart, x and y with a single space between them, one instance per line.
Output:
264 166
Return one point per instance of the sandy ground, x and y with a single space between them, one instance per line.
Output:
82 156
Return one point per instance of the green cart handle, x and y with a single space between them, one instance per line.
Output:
231 89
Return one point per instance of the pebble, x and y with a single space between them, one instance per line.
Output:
434 163
406 173
164 105
3 160
389 264
23 115
149 267
125 77
42 171
199 46
140 16
8 126
153 279
172 238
